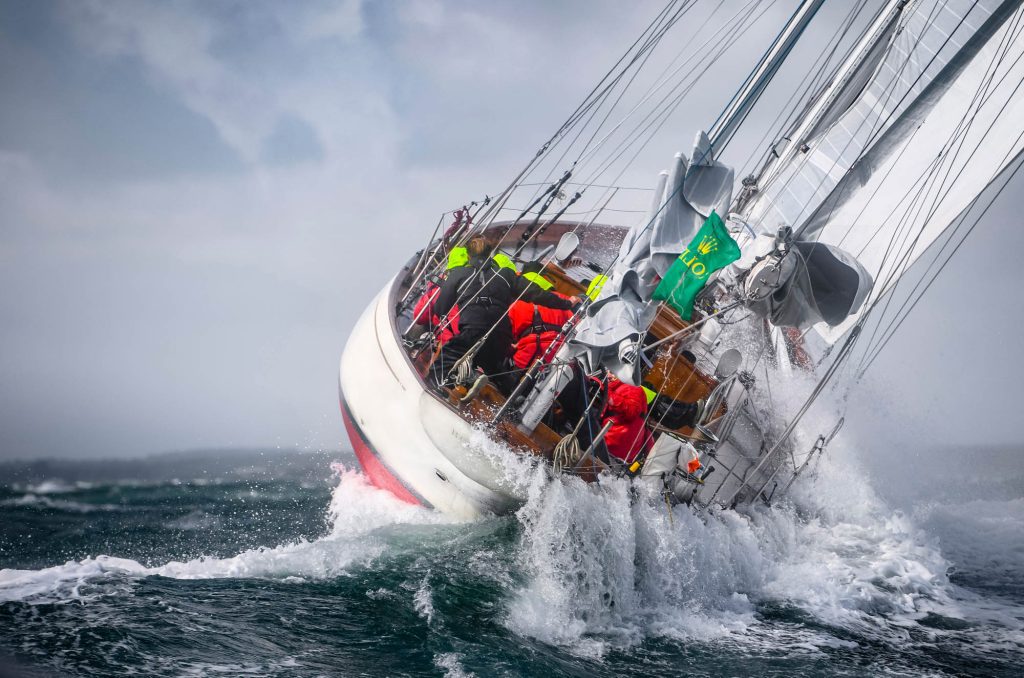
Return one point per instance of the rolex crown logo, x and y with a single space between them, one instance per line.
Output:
708 244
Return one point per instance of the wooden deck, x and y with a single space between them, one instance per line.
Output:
671 373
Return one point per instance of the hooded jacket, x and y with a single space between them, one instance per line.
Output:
426 315
627 410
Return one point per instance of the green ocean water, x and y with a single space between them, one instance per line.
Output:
275 564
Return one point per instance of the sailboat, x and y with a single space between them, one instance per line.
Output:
901 136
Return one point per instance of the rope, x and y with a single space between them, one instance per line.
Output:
463 367
566 453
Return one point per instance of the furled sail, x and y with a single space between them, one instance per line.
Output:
613 324
812 283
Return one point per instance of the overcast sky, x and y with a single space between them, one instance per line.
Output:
198 199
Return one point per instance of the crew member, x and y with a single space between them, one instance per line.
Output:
484 290
626 409
671 413
426 315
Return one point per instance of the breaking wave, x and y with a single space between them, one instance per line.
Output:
357 512
606 569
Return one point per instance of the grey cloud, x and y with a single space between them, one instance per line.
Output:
89 121
292 141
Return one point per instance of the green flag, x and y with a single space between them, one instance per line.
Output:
711 249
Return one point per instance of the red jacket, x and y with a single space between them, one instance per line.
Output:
423 314
527 319
627 410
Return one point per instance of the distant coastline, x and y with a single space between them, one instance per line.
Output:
182 465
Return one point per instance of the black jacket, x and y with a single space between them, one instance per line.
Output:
485 285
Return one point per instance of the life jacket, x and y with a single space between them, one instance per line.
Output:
539 280
459 256
626 409
423 312
595 286
534 329
504 261
488 282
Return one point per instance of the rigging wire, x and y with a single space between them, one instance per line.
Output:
980 98
651 36
657 29
652 41
649 126
903 310
722 143
668 73
921 185
862 320
679 14
1010 177
905 262
845 350
650 222
594 97
880 123
839 360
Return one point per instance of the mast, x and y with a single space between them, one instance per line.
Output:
730 120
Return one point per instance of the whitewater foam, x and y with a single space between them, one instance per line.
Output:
423 600
606 571
450 663
54 486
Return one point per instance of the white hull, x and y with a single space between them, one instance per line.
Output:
408 441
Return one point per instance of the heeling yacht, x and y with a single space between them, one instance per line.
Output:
906 130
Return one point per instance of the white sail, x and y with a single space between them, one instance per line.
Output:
915 184
927 36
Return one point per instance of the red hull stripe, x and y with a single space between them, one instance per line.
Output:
373 466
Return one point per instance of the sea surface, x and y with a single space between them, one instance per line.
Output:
286 564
